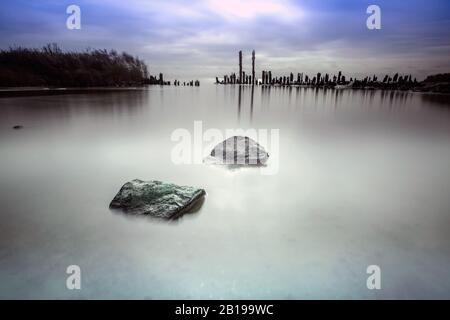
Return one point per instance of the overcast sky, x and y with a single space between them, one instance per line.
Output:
201 39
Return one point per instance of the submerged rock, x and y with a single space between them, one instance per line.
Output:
157 199
239 150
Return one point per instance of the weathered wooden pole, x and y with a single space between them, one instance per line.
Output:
253 67
240 67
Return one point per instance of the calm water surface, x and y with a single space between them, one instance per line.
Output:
364 178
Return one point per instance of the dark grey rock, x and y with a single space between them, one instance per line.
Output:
239 150
16 127
157 199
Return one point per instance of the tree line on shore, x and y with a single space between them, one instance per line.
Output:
50 66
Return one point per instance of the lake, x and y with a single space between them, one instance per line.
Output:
363 178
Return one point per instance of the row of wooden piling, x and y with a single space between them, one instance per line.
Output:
326 80
156 80
191 83
153 80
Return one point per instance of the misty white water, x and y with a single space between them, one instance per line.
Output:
363 179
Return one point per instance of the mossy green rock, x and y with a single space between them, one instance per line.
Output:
156 199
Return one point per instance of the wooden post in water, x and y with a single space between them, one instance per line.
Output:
253 67
240 67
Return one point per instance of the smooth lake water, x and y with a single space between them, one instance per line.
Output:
363 179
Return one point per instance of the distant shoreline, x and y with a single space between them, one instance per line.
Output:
45 91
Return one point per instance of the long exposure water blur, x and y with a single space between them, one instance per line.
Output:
363 179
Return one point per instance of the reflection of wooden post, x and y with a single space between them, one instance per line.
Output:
251 103
239 104
240 66
253 67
